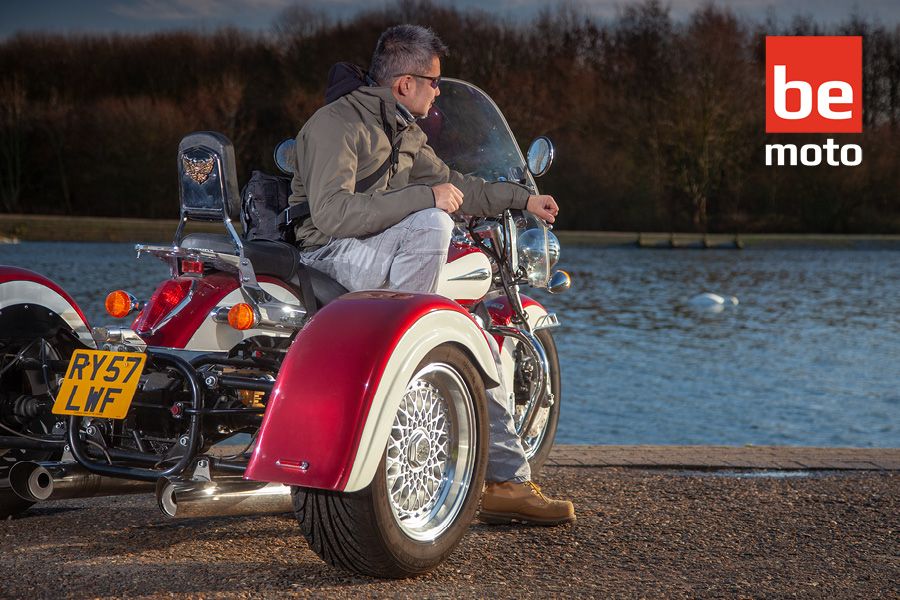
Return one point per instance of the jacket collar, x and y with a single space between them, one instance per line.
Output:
404 117
371 97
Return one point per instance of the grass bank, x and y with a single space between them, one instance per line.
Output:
105 229
53 228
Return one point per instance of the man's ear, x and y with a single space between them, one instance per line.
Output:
401 88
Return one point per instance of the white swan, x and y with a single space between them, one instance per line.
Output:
712 302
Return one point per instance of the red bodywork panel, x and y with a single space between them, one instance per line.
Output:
18 274
501 311
458 250
208 291
323 394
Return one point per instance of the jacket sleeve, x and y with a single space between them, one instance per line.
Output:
480 198
327 158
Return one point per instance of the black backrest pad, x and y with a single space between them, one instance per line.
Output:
276 259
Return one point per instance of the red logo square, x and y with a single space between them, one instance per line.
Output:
813 84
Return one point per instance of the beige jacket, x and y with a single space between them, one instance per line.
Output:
344 142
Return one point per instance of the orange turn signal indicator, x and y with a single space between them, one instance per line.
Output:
119 304
242 316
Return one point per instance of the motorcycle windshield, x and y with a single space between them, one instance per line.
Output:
469 133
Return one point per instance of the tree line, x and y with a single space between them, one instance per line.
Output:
658 123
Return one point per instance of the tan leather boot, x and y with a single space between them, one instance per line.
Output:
509 501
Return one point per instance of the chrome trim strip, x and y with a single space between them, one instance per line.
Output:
178 308
476 275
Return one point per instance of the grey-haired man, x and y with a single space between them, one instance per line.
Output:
395 232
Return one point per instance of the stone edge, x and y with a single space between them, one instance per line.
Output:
727 457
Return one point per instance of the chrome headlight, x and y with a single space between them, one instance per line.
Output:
537 249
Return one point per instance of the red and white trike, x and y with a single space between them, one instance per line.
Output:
363 412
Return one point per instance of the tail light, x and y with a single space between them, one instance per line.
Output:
191 267
161 306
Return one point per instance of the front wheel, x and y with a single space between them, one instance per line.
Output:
426 489
538 441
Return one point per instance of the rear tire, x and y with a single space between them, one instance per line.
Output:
427 486
25 332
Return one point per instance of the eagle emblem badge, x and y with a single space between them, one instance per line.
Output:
198 169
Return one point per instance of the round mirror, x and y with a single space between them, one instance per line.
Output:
284 155
540 156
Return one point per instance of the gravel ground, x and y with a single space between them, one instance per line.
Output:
640 533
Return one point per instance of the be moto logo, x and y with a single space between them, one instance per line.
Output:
814 85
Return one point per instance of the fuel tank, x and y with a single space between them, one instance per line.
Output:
467 275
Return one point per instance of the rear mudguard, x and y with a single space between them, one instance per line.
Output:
339 388
34 298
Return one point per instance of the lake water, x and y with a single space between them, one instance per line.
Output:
810 356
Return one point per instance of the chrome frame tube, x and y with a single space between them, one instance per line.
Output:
541 391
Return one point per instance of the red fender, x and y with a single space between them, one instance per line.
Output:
340 385
21 286
501 311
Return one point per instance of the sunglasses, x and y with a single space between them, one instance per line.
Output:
435 81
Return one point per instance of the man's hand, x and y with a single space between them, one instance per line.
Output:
543 206
447 197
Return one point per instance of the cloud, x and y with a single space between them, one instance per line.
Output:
187 10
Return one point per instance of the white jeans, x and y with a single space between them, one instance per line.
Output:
409 256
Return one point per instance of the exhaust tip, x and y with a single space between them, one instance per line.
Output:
30 481
165 497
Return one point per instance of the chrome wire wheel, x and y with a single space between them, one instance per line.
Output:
538 431
430 458
531 444
538 441
427 485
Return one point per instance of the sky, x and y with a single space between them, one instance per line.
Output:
141 16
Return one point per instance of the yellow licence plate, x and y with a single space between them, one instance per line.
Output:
99 384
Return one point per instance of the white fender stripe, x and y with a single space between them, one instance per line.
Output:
216 337
30 292
427 333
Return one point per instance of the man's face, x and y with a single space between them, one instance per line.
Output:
420 93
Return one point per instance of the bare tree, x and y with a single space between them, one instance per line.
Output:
298 22
709 136
54 119
12 132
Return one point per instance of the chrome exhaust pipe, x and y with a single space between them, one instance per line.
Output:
224 496
36 482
